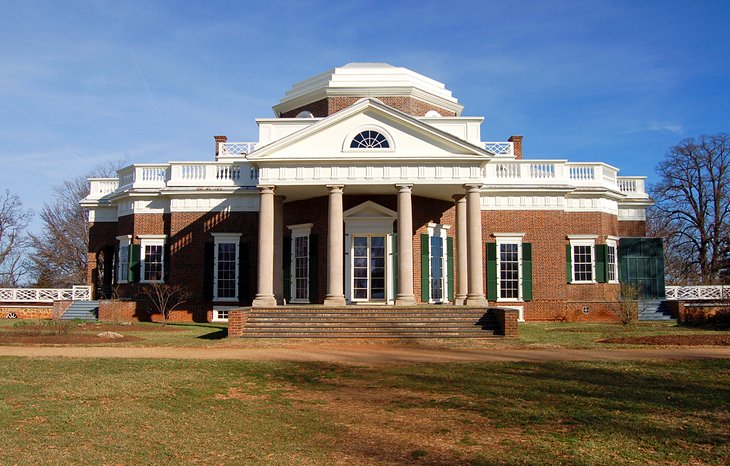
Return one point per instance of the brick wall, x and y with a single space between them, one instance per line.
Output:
27 312
328 106
237 322
632 228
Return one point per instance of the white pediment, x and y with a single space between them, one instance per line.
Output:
408 138
369 209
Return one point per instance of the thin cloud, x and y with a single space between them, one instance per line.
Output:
665 128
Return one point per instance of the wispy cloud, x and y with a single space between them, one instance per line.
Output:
665 127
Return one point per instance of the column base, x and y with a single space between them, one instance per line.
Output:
335 301
264 301
460 300
405 300
476 300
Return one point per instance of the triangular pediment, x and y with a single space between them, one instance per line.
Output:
369 209
330 139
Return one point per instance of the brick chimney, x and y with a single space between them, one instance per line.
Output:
218 140
517 141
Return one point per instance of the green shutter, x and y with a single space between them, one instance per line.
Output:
134 251
208 270
527 271
425 270
450 268
568 264
601 263
286 268
244 272
395 264
313 269
492 271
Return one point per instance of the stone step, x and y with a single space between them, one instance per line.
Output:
482 334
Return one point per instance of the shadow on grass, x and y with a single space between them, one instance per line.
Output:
218 334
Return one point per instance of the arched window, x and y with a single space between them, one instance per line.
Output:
369 139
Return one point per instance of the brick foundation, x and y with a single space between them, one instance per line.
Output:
237 322
27 312
507 320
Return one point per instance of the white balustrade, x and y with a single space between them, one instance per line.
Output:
500 148
212 174
235 149
45 295
100 187
695 293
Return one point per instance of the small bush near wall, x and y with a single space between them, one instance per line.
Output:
717 318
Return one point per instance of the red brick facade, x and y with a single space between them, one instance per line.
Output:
408 105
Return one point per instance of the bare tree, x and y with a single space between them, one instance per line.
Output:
60 250
13 240
692 208
166 298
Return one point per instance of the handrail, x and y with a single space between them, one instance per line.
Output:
697 292
45 295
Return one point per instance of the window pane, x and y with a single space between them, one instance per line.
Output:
153 262
583 263
226 270
509 271
437 268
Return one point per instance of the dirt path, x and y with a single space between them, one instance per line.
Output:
369 355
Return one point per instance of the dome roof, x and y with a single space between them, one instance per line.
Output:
368 80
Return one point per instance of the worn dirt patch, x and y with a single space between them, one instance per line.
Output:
70 339
673 340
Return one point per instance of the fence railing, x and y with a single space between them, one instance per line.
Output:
694 293
45 295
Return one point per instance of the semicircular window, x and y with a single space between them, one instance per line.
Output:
369 139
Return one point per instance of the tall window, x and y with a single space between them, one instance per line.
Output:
509 271
435 265
509 266
152 262
226 266
123 259
300 266
437 269
583 257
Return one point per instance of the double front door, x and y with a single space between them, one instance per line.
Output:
369 253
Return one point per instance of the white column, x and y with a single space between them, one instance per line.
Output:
462 258
405 295
335 249
265 295
475 295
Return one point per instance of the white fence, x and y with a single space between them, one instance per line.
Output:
45 295
693 293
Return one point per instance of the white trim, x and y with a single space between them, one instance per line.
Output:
226 238
519 309
302 230
583 240
151 240
612 242
504 239
220 309
439 231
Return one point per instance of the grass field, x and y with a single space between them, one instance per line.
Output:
67 411
531 335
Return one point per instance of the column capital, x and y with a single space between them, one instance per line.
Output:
404 187
473 188
335 188
266 189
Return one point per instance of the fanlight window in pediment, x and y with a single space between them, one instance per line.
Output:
369 139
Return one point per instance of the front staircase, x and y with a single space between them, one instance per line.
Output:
370 322
82 310
654 310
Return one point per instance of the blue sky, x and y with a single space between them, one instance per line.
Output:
86 82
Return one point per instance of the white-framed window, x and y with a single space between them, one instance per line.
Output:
369 138
582 249
437 263
612 259
220 313
123 258
509 266
152 258
226 266
300 249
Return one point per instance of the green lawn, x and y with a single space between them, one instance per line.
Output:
68 411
